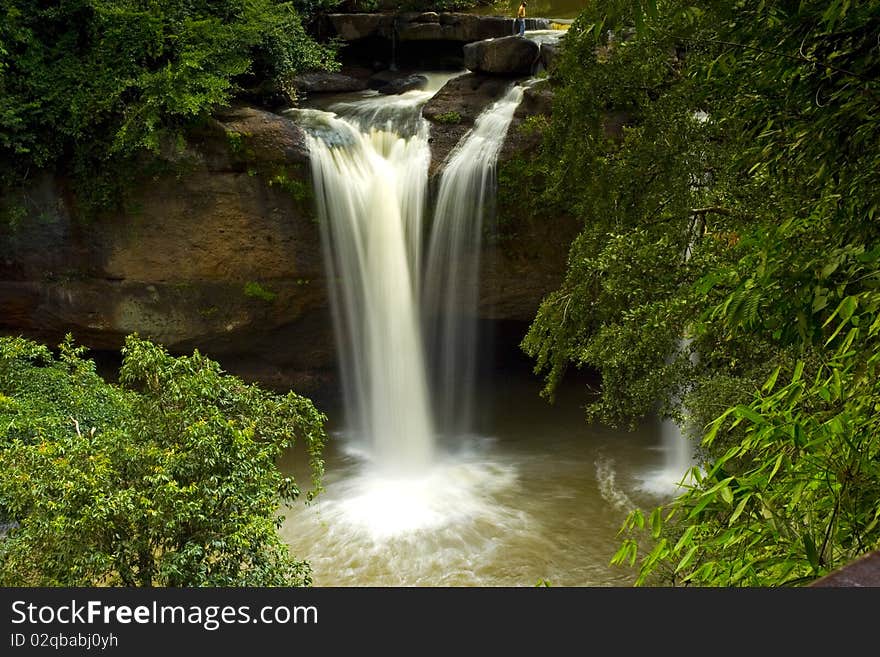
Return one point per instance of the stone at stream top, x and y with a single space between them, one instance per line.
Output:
324 82
509 55
403 84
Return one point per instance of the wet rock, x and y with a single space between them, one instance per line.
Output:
255 136
549 55
403 84
510 55
321 82
453 110
426 17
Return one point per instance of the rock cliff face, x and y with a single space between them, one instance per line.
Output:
222 251
222 254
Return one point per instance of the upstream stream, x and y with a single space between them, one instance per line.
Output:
445 468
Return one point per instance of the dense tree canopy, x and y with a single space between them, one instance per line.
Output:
729 259
168 478
93 82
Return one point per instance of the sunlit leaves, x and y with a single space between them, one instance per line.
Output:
778 294
88 83
167 479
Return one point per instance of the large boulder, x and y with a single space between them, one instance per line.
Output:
510 55
249 136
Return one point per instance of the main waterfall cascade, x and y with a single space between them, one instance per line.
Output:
370 162
370 188
414 496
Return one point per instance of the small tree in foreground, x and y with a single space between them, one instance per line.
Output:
168 478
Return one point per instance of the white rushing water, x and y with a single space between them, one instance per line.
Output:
467 190
370 160
370 188
401 506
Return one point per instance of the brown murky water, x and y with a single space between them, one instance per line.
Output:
537 495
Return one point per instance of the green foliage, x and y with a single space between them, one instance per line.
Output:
94 83
797 495
293 184
450 118
167 479
724 159
235 141
254 290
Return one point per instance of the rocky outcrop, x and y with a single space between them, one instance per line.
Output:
426 26
453 110
242 136
220 251
321 82
549 55
509 55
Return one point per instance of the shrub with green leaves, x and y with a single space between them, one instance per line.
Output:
94 82
450 118
725 160
798 495
167 478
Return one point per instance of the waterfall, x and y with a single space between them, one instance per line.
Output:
678 447
677 442
467 189
369 189
370 161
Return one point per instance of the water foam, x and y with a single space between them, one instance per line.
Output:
446 526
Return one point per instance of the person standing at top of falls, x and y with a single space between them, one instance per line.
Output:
519 24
